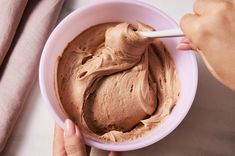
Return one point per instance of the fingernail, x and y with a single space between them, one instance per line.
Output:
178 47
69 128
185 40
183 46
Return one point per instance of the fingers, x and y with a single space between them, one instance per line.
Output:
73 140
194 29
189 24
201 6
58 143
197 27
69 142
185 44
185 40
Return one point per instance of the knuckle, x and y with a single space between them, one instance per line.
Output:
185 17
199 6
224 12
223 6
202 31
184 21
200 28
196 6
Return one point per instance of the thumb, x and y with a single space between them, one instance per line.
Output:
73 140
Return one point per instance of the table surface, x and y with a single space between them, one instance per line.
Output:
33 133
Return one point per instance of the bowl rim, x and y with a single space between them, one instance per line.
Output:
126 146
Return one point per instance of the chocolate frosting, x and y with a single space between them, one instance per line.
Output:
115 84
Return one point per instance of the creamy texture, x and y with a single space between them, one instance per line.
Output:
115 84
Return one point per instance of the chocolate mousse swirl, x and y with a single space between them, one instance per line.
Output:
115 84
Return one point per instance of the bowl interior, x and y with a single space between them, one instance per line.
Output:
113 11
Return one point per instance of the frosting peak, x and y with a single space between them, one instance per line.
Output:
115 84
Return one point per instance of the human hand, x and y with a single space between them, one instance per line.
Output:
71 142
211 32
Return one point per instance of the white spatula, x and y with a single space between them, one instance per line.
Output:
162 33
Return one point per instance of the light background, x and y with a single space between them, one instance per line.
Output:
33 134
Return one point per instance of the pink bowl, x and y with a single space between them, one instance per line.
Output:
110 11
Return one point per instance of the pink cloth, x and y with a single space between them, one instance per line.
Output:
19 68
10 15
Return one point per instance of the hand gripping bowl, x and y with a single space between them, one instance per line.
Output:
113 11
